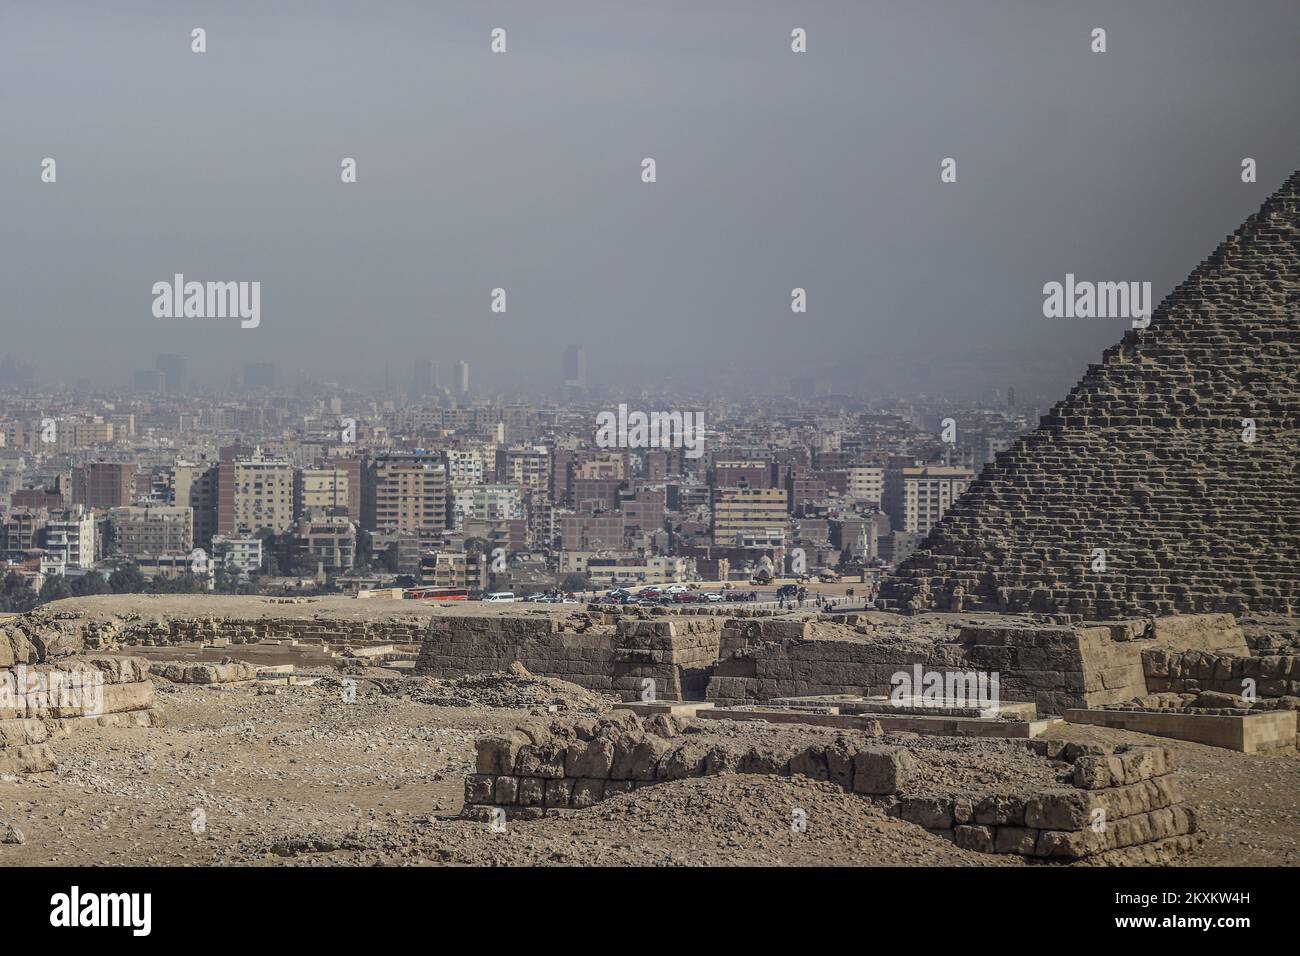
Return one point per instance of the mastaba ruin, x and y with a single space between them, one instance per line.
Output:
1166 480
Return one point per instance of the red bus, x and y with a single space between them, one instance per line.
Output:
436 594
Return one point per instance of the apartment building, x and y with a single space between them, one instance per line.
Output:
329 541
747 473
254 493
195 486
71 534
154 529
916 496
743 511
320 489
405 493
525 465
240 555
486 503
100 485
866 483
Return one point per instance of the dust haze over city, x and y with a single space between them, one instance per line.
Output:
523 172
612 435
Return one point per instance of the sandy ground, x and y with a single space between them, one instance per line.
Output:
301 778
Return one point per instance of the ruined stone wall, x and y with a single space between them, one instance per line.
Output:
1145 459
225 672
1126 802
237 630
48 690
618 657
1122 801
1190 672
1052 666
574 764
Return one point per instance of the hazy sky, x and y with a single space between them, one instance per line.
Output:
523 171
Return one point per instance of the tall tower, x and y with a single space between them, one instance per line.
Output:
575 367
462 376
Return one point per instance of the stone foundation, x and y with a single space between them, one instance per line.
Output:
1106 802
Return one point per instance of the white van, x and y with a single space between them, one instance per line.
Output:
500 597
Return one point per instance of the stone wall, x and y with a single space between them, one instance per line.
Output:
1124 801
1189 672
225 672
1145 459
1121 801
1054 666
572 764
49 689
616 657
24 747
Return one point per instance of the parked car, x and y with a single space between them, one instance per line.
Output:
676 589
712 596
500 597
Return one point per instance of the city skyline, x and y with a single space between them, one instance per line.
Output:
529 181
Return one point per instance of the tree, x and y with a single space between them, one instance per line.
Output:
16 594
126 579
92 582
55 588
574 581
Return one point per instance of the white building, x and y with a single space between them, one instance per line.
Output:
486 503
71 534
238 555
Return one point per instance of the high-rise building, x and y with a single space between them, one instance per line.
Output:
323 489
462 377
486 503
195 486
253 494
527 465
866 483
157 529
104 484
575 367
464 466
172 369
741 511
404 494
917 496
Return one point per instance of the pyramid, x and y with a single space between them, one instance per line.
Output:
1147 460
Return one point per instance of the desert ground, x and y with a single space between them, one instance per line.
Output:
240 776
